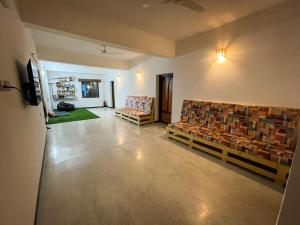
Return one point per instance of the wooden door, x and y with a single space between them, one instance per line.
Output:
113 94
165 97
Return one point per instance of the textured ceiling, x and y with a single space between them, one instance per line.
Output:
169 20
71 44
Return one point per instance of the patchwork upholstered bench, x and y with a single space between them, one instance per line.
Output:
260 139
138 109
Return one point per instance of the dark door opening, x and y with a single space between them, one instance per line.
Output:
165 97
113 94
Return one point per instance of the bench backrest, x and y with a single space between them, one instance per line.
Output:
272 125
142 103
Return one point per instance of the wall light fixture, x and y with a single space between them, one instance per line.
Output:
139 74
221 55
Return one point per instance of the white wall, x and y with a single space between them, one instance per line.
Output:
79 102
22 130
262 68
45 87
55 70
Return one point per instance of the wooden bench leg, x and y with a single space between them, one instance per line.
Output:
168 133
190 145
281 175
224 155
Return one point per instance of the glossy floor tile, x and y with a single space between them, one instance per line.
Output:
108 171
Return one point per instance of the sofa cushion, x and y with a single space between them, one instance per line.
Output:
266 124
139 103
275 152
134 112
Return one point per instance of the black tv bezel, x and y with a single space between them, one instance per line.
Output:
33 98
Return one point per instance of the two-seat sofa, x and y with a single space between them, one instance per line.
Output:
258 138
138 109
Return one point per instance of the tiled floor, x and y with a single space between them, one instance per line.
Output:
108 171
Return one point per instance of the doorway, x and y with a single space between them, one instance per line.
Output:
165 97
112 94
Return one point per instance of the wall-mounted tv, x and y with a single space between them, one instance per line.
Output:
34 87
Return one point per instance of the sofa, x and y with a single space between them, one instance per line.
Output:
267 133
138 109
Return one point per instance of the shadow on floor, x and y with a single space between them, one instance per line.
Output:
237 169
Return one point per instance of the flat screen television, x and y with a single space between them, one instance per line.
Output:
34 87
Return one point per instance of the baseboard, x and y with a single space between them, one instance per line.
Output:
93 107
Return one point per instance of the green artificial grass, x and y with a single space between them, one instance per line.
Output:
76 115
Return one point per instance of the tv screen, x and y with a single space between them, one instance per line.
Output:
35 94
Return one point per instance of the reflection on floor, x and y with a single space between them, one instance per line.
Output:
111 172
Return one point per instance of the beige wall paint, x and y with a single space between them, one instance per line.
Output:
262 66
231 33
87 25
138 60
22 130
59 55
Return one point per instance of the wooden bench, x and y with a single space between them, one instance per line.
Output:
246 136
138 109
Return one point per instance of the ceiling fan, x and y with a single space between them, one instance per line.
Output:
190 4
103 50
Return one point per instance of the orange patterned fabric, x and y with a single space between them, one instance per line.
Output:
134 112
267 132
137 105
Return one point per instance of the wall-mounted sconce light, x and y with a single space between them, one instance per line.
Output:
139 74
221 55
118 78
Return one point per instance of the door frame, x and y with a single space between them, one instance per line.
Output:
113 102
158 95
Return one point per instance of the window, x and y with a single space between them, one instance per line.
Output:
90 88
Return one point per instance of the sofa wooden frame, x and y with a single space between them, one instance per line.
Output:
275 171
139 120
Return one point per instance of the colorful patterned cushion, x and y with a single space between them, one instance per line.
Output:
134 112
267 132
137 105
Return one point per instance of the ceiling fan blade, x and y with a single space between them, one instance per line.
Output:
103 49
192 5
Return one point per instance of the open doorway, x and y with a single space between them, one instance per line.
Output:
112 83
165 97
